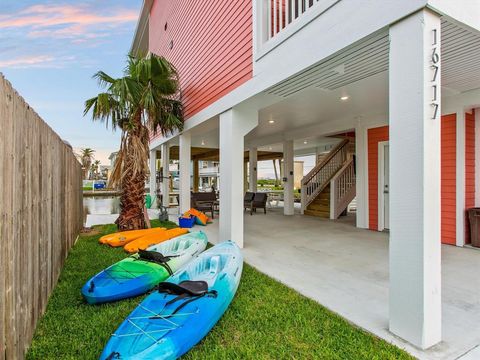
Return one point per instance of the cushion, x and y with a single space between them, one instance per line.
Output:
201 218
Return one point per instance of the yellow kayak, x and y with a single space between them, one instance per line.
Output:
124 237
152 239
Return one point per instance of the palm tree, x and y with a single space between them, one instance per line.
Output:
86 158
145 99
95 169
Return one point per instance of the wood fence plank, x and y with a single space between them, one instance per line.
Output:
40 217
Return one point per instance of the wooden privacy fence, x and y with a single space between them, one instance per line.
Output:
40 217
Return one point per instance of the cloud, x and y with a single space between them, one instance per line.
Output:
67 21
29 61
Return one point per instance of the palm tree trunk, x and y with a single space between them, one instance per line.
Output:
132 199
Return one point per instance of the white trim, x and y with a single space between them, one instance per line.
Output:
460 178
264 46
381 184
153 173
477 157
185 157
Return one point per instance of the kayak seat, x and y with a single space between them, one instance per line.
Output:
157 258
187 290
187 287
183 244
214 265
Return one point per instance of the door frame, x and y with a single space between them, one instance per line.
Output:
381 183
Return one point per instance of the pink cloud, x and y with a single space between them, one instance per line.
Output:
36 61
66 21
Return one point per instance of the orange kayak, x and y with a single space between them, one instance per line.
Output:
152 239
124 237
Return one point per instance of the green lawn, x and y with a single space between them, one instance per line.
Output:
266 320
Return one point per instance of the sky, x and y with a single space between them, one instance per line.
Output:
49 51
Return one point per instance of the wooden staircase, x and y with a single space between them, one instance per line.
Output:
330 186
320 206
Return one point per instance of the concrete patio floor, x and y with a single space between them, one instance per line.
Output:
346 270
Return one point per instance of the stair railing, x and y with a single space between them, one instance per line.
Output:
319 177
342 189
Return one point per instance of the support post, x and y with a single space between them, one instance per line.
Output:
165 175
414 103
460 178
288 163
184 170
361 175
234 125
252 167
153 174
196 175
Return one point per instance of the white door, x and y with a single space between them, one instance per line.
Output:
386 189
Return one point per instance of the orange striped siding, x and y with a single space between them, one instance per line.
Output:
375 135
449 178
212 46
469 168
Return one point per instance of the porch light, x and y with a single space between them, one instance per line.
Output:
305 142
344 98
271 121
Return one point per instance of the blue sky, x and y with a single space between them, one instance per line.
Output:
49 51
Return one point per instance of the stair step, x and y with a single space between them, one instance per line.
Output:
319 208
321 214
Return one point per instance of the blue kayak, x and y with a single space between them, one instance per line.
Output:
170 321
139 273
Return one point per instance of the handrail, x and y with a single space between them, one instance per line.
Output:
320 165
342 189
320 176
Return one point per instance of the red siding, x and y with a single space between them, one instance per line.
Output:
449 178
469 167
212 46
375 135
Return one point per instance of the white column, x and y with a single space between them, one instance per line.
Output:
477 157
288 200
165 175
234 125
415 277
361 176
153 174
252 169
460 178
184 170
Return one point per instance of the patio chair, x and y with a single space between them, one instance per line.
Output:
247 200
259 202
204 202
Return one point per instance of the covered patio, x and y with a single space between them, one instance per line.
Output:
346 269
397 103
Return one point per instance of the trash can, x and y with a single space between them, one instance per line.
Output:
474 219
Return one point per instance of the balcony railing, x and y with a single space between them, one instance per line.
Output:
281 13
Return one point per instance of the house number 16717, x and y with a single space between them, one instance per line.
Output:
435 67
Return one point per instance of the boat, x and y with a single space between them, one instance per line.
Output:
124 237
140 272
174 318
152 239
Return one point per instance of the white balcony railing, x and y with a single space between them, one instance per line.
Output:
281 13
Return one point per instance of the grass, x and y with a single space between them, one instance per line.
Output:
266 320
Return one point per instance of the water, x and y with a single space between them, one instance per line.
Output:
101 205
